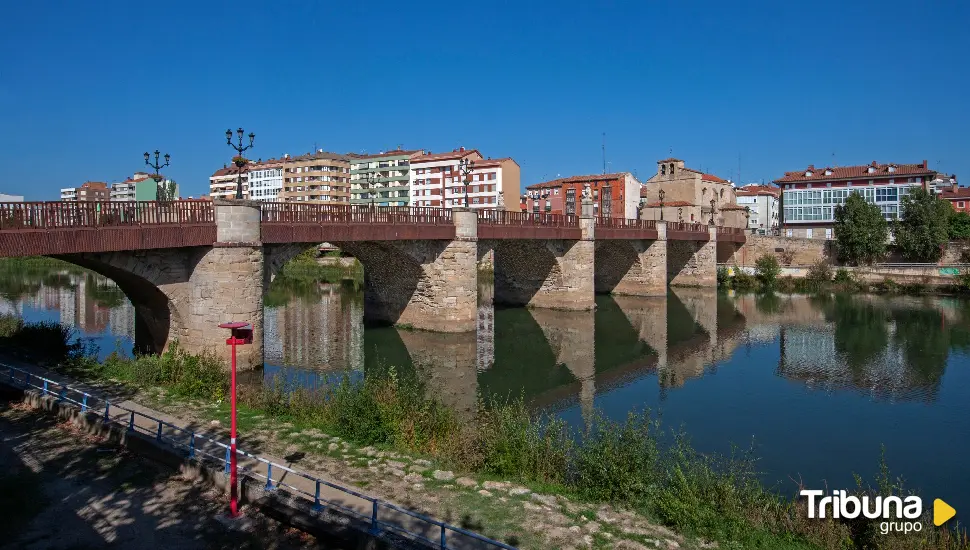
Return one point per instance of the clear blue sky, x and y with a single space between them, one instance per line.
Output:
87 87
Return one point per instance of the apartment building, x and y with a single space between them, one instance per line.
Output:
614 195
382 179
222 183
436 182
141 187
762 203
265 180
88 191
316 177
809 196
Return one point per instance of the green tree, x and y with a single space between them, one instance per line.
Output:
860 231
959 226
922 230
766 269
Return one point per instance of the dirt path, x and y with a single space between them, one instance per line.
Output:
60 488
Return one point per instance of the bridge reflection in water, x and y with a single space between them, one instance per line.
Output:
557 359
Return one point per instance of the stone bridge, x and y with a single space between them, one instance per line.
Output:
188 266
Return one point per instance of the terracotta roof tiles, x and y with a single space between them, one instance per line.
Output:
577 179
850 172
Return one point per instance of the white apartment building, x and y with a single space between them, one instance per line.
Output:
763 203
69 194
436 182
265 180
222 184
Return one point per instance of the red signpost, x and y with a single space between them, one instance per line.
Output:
242 333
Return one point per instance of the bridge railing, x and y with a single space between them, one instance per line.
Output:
687 226
294 212
503 217
83 214
730 230
623 223
204 448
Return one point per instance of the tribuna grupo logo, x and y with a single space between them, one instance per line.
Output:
906 511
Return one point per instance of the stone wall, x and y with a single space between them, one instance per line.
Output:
800 251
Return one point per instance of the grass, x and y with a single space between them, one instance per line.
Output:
633 463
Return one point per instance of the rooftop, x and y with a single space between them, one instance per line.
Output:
394 153
755 190
558 182
319 155
674 204
962 193
461 152
861 171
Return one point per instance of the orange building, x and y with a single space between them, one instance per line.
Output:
614 195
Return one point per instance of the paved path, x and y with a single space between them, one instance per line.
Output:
61 488
299 486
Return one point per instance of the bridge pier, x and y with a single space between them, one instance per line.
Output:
693 263
226 284
633 267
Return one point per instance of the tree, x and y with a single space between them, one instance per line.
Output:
860 231
959 226
923 227
165 190
766 269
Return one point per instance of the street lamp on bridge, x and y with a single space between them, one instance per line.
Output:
465 167
713 202
158 177
371 179
661 193
239 160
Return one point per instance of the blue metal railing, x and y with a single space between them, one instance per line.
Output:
195 446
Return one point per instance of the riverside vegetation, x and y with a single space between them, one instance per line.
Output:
634 463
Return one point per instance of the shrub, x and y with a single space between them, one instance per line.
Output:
743 280
820 272
767 270
843 276
722 276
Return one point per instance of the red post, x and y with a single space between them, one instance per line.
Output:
233 485
242 333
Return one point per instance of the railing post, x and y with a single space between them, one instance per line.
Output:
374 530
84 402
61 394
316 498
131 422
158 435
227 460
45 387
269 476
107 405
27 381
192 445
444 544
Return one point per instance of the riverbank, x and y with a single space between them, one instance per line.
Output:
392 437
823 278
61 487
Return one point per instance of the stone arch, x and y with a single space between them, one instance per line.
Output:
155 282
612 261
523 268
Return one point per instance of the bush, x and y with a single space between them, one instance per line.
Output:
722 276
767 270
843 276
743 280
820 272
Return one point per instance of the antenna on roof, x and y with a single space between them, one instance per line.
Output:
604 152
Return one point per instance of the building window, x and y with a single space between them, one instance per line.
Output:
960 204
828 233
788 232
663 169
671 168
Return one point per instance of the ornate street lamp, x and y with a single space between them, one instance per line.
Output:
661 193
465 167
239 161
158 177
713 202
371 178
680 215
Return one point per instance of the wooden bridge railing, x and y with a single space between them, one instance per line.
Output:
503 217
92 214
295 212
687 226
623 223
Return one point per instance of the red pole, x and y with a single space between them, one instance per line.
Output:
233 490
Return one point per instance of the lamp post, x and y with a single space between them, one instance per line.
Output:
661 193
465 167
239 161
747 216
157 177
713 202
371 178
241 333
680 215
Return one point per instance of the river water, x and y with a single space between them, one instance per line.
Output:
818 384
